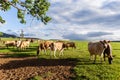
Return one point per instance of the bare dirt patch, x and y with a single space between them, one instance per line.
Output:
28 67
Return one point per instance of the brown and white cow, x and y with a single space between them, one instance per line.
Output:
10 43
97 48
23 44
57 46
43 46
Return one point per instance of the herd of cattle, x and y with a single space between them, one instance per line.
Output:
101 48
54 46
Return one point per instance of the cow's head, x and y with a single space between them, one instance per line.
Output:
105 43
110 58
108 51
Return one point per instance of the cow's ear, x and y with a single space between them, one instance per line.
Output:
105 41
109 41
101 41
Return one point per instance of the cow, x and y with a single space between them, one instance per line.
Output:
70 44
30 39
23 44
57 46
108 52
10 43
97 48
43 45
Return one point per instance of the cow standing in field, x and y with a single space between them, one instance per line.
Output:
70 44
57 46
10 43
97 48
108 52
43 45
23 44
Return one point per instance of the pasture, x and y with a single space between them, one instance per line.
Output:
84 68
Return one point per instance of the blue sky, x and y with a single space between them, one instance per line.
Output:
71 19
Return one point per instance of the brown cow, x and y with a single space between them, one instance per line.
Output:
97 48
70 44
43 45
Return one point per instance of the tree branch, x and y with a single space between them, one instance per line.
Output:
15 6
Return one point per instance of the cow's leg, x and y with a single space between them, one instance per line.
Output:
55 53
7 46
104 56
50 52
45 51
91 57
38 51
95 59
101 56
61 52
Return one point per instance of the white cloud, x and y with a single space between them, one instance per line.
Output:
1 24
77 19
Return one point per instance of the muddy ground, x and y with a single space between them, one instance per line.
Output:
24 68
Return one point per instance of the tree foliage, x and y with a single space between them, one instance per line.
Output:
35 8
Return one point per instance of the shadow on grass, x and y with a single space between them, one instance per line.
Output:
84 61
16 55
14 52
25 50
37 62
17 50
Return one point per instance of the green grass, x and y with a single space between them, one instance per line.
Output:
84 69
36 78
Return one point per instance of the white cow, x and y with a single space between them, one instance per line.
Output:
23 44
57 46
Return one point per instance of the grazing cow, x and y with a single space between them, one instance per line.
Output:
70 44
97 48
31 40
57 46
40 48
10 43
108 51
23 44
43 45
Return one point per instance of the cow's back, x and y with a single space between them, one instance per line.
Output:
58 45
95 48
47 44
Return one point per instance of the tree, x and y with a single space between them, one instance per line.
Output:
1 34
36 8
22 34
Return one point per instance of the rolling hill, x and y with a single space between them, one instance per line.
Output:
2 34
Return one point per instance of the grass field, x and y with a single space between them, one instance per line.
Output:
85 69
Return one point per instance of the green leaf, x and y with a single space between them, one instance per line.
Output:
1 20
22 21
14 1
35 8
47 19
